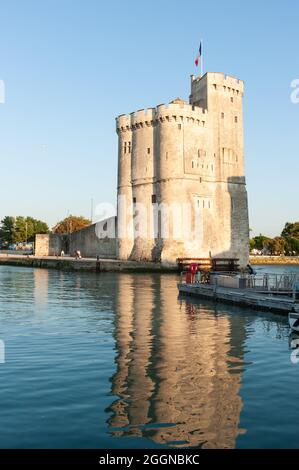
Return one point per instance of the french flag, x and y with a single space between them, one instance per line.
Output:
198 56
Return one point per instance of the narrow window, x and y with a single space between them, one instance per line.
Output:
200 179
222 115
148 150
209 205
215 86
125 147
203 203
236 118
154 198
180 126
166 155
134 200
129 147
192 164
232 99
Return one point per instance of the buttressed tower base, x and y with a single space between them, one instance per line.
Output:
181 177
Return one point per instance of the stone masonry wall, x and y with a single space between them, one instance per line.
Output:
96 240
93 241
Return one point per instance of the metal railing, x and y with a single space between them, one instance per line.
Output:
272 282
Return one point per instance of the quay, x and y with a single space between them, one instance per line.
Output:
84 264
282 260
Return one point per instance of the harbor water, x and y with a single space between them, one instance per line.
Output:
117 360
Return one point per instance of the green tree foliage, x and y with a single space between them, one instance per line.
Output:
71 224
6 229
275 246
290 234
292 246
258 242
35 226
20 229
287 243
26 228
291 230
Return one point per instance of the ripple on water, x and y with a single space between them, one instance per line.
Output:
121 361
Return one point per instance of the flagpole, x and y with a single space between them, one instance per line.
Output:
201 59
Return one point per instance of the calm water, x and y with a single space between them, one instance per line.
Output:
113 360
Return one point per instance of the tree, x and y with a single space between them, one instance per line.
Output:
6 229
275 246
258 242
290 234
291 230
71 224
292 246
21 229
35 226
26 228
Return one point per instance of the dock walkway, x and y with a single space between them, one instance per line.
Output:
243 297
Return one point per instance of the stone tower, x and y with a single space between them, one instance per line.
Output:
181 167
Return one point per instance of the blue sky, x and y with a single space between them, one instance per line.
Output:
70 67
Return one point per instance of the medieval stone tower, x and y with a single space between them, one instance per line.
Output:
183 158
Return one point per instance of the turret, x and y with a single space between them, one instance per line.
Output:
143 188
124 202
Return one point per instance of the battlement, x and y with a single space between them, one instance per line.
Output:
216 82
142 118
180 108
170 112
123 123
220 77
181 112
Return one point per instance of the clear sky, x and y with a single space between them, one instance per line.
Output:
71 66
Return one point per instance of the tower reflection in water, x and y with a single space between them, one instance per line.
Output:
179 367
